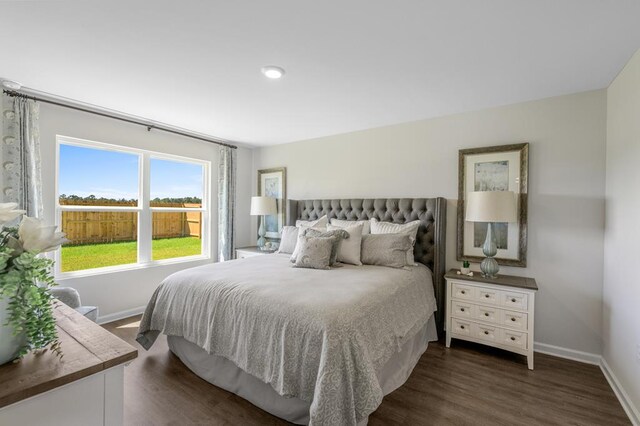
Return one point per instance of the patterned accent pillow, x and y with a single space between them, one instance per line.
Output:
288 239
314 252
410 229
340 234
385 249
366 225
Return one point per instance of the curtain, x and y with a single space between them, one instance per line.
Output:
226 203
21 175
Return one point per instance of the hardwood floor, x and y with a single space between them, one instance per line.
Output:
467 384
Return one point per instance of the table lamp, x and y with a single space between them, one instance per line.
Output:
491 207
263 206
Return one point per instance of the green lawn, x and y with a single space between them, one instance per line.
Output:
75 258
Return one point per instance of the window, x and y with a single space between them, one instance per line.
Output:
122 207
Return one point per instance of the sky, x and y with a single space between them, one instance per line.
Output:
108 174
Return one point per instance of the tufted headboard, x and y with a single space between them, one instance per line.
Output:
430 242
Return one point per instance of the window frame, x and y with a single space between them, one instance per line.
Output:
144 209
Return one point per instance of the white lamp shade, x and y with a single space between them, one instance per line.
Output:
263 206
491 206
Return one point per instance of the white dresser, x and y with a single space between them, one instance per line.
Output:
496 312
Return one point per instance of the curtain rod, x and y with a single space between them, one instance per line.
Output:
13 93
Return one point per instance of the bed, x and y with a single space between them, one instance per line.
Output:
310 346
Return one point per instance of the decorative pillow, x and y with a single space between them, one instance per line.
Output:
314 252
288 239
340 234
366 225
410 229
385 249
320 224
349 251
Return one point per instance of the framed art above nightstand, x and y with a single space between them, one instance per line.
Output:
497 312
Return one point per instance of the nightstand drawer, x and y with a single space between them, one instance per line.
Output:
488 314
461 291
516 339
488 296
461 327
461 309
517 320
486 332
514 300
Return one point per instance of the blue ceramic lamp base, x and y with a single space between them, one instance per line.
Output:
489 265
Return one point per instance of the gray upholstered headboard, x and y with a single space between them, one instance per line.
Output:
430 243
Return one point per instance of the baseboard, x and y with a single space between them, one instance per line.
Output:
627 404
103 319
572 354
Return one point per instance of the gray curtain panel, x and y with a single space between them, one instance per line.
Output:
226 203
21 175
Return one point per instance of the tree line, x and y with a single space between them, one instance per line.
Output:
175 200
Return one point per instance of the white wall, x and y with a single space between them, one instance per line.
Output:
419 159
129 290
621 293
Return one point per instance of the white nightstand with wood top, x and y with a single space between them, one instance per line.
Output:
498 312
244 252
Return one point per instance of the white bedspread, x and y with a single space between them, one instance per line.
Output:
318 335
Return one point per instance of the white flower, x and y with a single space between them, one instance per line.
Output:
8 212
38 238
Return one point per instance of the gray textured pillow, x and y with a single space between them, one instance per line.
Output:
314 252
385 249
288 239
340 235
410 228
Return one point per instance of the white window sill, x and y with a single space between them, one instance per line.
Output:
129 267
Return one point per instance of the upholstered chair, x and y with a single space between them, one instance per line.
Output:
70 297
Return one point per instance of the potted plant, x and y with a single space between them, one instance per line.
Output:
465 267
26 305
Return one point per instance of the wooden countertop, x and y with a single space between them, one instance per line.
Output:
509 280
87 349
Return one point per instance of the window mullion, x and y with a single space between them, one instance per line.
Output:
145 227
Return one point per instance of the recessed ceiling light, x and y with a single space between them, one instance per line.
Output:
273 72
11 85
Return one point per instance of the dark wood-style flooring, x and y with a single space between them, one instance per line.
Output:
467 384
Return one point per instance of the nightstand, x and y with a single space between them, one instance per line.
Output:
497 312
244 252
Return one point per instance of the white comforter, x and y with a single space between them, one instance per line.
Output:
318 335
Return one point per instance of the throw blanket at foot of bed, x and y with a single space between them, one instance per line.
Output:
318 335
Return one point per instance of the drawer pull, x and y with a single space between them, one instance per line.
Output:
462 327
463 292
513 300
513 319
486 295
513 338
461 309
486 332
486 314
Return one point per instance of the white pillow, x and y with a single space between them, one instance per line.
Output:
349 251
320 224
288 239
366 225
410 229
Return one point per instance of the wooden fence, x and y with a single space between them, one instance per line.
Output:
93 227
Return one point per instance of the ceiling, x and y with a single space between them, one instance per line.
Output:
350 65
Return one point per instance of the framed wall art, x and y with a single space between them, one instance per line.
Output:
273 183
495 168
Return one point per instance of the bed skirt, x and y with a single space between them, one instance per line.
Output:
225 374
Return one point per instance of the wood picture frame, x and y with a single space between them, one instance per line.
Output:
273 183
501 168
